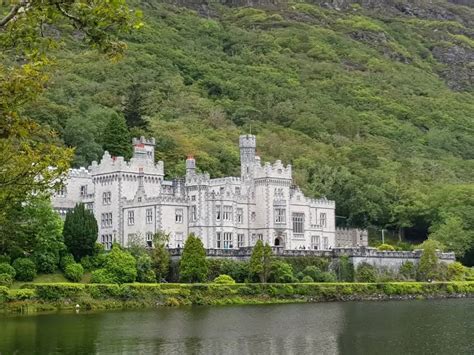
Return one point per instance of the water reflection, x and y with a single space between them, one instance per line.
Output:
331 328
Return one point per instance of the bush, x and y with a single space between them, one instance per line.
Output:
407 271
102 276
6 280
74 272
307 279
46 262
344 269
193 264
366 273
121 265
25 269
65 261
7 269
456 272
224 280
281 272
145 271
385 247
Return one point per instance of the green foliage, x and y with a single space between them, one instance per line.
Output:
121 265
102 276
281 272
453 235
74 272
145 271
407 271
66 260
6 279
80 231
7 269
365 273
160 256
456 272
261 261
116 137
25 269
224 280
386 247
344 269
428 265
307 279
193 265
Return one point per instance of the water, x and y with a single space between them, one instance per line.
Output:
406 327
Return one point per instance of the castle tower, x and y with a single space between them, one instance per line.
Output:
190 165
144 148
248 145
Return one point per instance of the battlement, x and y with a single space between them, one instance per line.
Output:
109 164
144 141
79 173
247 141
276 171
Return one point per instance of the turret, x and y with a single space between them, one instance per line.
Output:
248 145
144 148
190 165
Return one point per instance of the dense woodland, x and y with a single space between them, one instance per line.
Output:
373 106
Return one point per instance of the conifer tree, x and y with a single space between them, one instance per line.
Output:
133 108
80 231
193 266
261 261
116 137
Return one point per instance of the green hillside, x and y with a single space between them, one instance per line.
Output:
373 107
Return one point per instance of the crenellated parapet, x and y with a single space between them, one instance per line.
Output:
109 164
79 173
273 171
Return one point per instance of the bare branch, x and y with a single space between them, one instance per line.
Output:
13 12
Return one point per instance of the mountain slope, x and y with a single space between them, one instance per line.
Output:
371 101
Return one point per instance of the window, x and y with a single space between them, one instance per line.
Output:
179 239
106 198
193 213
62 191
227 215
280 215
139 199
179 215
228 241
218 240
260 237
240 215
193 198
149 215
298 223
240 240
325 243
221 190
149 240
237 190
315 242
83 190
253 216
322 219
218 213
106 240
106 220
131 218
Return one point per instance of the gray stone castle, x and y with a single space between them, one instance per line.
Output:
131 200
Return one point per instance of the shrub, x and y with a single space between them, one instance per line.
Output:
366 273
281 272
7 269
74 272
102 276
456 272
65 261
224 280
327 276
193 265
121 265
307 279
46 262
25 269
319 276
145 271
300 275
428 266
238 270
344 269
385 247
6 280
407 271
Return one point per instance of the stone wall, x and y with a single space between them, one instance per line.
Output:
381 259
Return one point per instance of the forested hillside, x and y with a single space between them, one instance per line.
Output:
372 102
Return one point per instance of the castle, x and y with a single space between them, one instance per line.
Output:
132 200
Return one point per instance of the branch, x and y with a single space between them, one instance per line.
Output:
69 16
14 10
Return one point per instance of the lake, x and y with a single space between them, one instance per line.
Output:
396 327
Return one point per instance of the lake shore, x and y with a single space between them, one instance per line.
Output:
38 298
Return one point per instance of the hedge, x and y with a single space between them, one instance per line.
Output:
136 294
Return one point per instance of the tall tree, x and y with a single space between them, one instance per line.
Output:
29 150
116 138
193 266
160 256
428 265
133 108
80 231
261 261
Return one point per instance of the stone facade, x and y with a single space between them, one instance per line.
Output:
132 199
351 237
